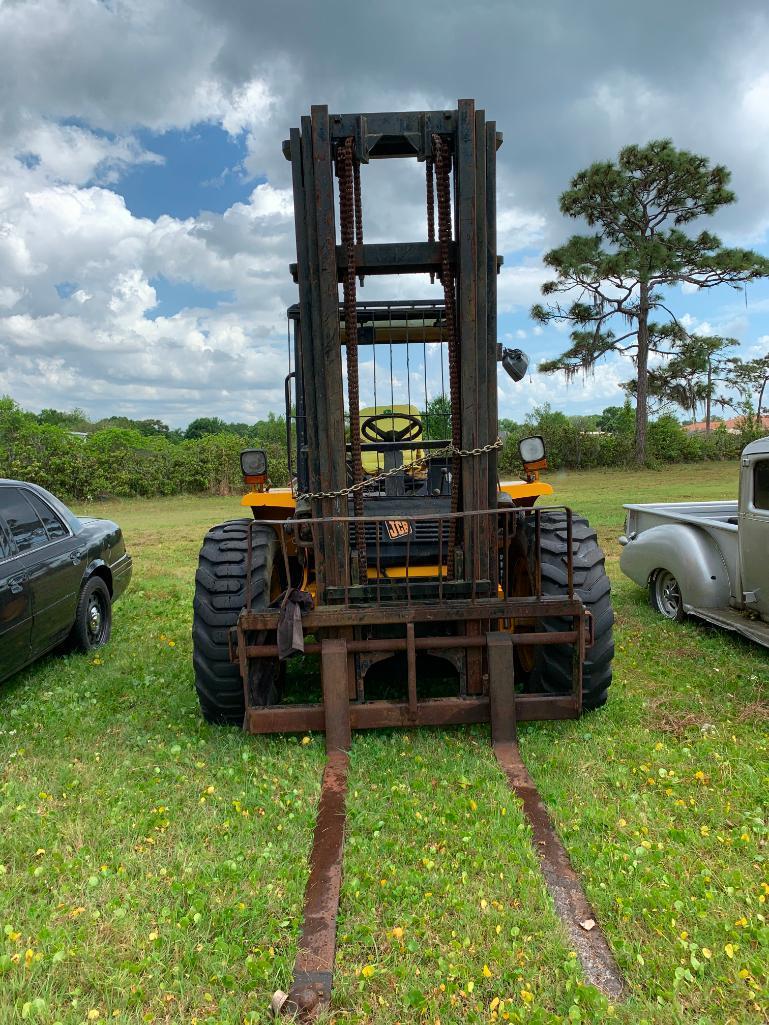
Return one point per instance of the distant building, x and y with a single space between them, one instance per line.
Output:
733 426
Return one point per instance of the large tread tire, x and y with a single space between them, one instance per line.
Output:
220 594
552 668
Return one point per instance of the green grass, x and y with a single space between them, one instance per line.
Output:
153 867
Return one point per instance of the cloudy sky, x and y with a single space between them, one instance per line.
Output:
145 206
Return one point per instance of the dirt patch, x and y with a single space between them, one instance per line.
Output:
757 709
672 721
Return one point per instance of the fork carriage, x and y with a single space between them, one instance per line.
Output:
472 624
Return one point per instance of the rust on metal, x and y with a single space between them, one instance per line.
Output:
350 222
573 907
501 686
442 156
314 965
336 702
371 715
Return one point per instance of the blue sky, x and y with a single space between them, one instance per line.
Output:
201 169
145 205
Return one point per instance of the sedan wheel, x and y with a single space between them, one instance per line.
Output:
93 619
665 596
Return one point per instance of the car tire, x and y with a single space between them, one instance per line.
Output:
549 667
220 594
665 596
93 616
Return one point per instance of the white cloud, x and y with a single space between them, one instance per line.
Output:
83 84
519 286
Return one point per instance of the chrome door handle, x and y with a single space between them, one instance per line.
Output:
16 585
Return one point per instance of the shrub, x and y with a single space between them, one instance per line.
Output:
122 462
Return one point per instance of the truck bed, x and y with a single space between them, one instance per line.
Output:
702 514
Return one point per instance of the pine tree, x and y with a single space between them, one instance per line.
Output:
638 205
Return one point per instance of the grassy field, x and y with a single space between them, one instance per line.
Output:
152 867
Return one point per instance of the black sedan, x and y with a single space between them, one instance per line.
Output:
59 575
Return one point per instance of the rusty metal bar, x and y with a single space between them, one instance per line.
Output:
512 511
420 612
378 564
286 563
336 704
440 559
314 965
408 561
411 660
467 322
506 556
377 644
372 715
501 685
491 301
573 907
347 566
320 575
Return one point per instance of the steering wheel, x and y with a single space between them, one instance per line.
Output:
371 430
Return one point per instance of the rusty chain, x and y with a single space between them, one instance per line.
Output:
350 225
449 450
442 157
430 180
358 206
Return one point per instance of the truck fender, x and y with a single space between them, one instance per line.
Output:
691 555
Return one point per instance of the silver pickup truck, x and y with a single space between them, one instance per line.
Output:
707 559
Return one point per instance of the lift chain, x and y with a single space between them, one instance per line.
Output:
443 181
449 450
430 180
350 221
358 206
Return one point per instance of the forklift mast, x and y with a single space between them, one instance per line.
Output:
458 148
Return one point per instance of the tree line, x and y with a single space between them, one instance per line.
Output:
118 457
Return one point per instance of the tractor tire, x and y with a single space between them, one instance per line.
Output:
549 670
220 594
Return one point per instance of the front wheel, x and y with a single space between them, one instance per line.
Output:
665 596
548 668
221 588
93 616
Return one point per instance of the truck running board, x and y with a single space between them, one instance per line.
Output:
737 622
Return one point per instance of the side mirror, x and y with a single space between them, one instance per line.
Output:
515 363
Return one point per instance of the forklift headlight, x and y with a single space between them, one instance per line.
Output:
253 463
532 450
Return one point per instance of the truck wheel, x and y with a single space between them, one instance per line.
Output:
220 594
665 596
547 668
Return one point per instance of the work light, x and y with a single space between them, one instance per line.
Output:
253 463
531 450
